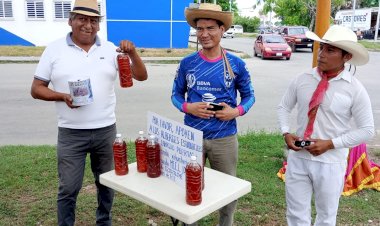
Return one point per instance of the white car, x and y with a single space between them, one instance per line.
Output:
228 34
237 29
192 32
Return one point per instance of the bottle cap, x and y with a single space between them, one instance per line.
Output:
193 158
118 135
141 132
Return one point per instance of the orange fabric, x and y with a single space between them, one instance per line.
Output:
361 172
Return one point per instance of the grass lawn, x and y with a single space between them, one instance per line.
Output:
28 187
147 52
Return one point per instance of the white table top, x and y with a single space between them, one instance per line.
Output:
168 197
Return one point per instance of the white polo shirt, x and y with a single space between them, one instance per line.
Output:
63 61
345 101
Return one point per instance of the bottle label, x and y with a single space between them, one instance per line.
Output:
81 92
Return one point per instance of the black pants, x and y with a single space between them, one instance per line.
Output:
73 146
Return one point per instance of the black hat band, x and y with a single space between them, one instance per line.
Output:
86 9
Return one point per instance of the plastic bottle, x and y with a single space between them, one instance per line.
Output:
120 155
153 157
125 73
193 182
140 144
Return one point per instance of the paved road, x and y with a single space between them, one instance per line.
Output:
24 120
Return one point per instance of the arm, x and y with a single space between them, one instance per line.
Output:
138 66
40 90
363 118
245 88
284 110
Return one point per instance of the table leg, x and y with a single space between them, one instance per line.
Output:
176 221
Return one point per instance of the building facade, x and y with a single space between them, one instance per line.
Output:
149 24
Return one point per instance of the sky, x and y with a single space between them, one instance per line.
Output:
244 3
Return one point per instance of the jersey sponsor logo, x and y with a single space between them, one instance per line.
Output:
208 97
203 83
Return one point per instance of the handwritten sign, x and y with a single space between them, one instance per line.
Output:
178 143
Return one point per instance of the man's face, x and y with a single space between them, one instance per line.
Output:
330 58
209 33
84 29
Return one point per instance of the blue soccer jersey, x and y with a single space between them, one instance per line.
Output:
200 79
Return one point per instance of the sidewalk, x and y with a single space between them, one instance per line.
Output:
36 59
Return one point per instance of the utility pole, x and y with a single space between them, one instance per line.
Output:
353 16
322 23
377 24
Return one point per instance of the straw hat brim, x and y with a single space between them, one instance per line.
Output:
86 13
193 14
359 53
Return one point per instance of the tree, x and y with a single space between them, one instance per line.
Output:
249 24
225 4
296 12
369 3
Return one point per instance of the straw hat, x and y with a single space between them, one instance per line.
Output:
86 7
207 11
343 38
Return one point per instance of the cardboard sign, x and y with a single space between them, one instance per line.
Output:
178 143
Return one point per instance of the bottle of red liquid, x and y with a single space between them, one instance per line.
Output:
125 73
193 182
120 155
140 144
153 157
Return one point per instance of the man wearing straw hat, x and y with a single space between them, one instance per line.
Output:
90 128
213 75
329 99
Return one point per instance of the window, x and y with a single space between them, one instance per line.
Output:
100 8
62 9
35 9
6 9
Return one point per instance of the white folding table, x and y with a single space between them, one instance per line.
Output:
168 197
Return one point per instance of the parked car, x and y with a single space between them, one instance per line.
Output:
237 29
296 38
271 46
192 32
229 34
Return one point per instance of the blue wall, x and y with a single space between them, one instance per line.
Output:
149 23
7 38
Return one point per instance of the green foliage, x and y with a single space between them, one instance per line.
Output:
225 4
249 24
369 3
295 12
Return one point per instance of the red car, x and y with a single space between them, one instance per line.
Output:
272 46
296 38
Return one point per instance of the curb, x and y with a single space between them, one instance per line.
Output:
14 59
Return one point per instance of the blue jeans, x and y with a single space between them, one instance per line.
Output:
72 148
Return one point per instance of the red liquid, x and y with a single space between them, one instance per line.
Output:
193 184
203 172
153 160
140 144
120 158
125 74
